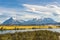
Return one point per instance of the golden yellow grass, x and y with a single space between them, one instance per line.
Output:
27 27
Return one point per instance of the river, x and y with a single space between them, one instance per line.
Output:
13 31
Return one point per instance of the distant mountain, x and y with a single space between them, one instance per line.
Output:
45 21
11 21
30 22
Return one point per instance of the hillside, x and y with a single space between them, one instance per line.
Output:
45 21
11 21
33 35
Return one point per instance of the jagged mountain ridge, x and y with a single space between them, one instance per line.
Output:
41 21
11 21
34 21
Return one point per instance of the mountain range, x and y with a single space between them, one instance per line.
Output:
45 21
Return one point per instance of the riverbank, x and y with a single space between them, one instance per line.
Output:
31 35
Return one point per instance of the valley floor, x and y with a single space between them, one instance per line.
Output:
16 27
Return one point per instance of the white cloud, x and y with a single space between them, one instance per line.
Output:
48 8
1 14
46 11
16 14
6 13
30 12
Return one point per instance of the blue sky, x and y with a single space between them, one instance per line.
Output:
29 9
18 3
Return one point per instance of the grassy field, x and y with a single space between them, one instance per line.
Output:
31 35
13 27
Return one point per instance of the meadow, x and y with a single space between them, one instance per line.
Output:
18 27
31 35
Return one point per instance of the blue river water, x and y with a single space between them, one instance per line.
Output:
13 31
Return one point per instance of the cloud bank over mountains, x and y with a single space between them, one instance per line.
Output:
51 11
29 9
32 11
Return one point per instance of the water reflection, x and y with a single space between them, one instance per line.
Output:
13 31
